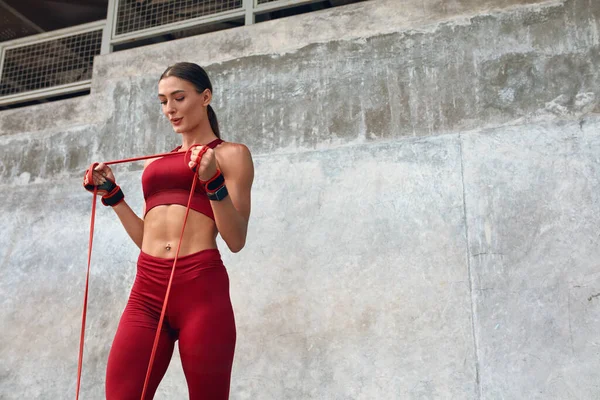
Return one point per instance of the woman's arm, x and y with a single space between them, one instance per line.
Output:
134 225
233 212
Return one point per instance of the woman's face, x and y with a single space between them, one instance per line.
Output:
182 104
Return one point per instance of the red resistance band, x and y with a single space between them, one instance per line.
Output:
87 278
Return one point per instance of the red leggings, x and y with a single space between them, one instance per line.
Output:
199 314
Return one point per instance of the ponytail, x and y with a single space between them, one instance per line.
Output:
214 123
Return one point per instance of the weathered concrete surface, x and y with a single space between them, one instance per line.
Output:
532 196
424 212
365 294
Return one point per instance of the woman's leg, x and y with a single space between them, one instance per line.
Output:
130 354
206 334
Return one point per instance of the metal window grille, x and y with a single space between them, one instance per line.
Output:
137 15
49 63
61 62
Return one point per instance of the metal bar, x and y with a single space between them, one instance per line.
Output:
278 5
249 7
58 34
113 22
175 26
41 93
1 60
108 29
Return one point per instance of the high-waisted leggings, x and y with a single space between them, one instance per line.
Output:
199 315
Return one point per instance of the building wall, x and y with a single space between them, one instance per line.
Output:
425 206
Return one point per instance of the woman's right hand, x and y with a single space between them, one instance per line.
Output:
101 173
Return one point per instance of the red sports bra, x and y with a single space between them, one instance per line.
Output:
168 180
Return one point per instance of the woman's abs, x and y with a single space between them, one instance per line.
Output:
162 230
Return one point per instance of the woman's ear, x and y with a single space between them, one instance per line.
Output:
206 97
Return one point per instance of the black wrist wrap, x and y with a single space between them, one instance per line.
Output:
215 183
113 197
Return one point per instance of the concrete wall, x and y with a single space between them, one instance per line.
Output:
425 208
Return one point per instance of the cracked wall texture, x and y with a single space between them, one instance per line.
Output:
425 207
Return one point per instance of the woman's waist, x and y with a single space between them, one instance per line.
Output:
158 269
208 255
166 246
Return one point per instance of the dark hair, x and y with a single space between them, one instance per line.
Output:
198 77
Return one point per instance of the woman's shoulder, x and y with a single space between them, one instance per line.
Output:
234 157
232 149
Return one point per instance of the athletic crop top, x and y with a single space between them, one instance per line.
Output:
168 180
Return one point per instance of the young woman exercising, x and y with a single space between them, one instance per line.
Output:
199 312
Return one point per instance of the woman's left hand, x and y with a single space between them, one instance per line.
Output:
204 158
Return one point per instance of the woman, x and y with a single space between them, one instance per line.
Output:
199 312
